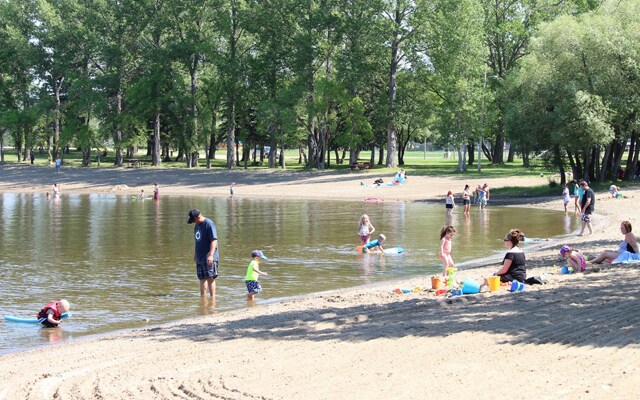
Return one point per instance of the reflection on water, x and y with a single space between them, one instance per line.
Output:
125 263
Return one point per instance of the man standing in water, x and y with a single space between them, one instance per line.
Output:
588 203
206 251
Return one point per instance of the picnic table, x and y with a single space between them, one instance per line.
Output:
360 165
135 162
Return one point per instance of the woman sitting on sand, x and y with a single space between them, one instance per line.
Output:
630 244
513 265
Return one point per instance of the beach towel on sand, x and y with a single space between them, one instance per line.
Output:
627 257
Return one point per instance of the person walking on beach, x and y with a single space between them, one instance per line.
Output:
446 234
466 199
587 206
253 274
58 164
206 251
449 202
365 229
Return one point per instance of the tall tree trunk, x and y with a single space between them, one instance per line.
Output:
1 147
231 117
471 153
498 150
192 159
118 136
393 73
213 139
57 117
155 151
632 159
282 160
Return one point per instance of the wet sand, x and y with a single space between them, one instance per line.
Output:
575 337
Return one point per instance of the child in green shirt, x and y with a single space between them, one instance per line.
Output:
253 272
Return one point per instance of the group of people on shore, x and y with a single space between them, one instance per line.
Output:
513 264
479 196
584 202
513 267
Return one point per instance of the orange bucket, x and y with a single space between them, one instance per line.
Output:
494 283
436 283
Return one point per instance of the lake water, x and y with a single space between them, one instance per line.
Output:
125 263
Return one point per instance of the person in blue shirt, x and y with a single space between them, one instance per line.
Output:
206 251
374 244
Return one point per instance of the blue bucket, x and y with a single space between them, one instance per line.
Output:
516 286
566 270
470 287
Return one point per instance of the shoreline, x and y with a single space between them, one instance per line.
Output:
365 340
272 184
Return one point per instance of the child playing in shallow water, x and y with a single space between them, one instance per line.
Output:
365 229
574 258
51 314
253 273
450 202
375 244
446 233
566 197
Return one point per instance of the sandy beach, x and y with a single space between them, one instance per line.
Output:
575 337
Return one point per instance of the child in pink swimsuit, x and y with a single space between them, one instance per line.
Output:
446 233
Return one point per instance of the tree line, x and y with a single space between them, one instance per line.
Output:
328 77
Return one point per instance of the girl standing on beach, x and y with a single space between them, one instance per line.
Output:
446 233
466 199
449 202
365 229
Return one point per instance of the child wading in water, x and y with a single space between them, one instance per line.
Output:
253 273
574 258
375 244
51 314
365 229
446 233
449 202
566 197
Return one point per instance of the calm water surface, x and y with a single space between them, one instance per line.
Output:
125 263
